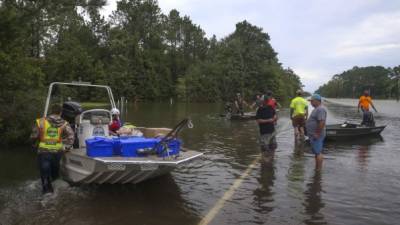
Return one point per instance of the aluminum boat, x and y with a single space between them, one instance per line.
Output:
78 167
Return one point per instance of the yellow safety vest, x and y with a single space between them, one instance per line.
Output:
299 106
50 137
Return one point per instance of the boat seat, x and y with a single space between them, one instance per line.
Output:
93 123
97 120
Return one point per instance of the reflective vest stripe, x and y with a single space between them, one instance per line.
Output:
53 142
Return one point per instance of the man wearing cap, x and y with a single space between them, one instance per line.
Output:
299 114
266 118
315 126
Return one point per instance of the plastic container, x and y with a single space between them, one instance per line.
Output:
174 146
116 146
131 145
99 147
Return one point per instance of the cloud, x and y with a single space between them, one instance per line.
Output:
316 39
312 78
376 34
354 50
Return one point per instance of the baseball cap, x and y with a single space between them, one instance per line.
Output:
316 97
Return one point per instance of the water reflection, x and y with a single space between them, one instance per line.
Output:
363 155
313 203
296 171
264 194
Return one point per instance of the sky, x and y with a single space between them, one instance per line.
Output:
315 38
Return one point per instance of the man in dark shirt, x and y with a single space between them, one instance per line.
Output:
266 118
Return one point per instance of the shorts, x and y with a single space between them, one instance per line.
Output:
299 121
317 145
268 142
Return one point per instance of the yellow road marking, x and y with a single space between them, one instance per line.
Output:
228 194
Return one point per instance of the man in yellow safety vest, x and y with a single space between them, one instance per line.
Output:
299 114
52 136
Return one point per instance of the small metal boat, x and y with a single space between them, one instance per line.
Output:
78 167
245 116
350 130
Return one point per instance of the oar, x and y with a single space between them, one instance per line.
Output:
173 133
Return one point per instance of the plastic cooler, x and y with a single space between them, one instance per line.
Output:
130 146
172 148
116 146
99 147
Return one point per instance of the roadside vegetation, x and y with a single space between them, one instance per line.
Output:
140 52
383 83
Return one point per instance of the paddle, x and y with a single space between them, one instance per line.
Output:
172 134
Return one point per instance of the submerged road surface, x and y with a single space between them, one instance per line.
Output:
358 184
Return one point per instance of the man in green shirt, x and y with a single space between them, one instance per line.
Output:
299 114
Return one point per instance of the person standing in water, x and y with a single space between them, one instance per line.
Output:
315 126
239 104
52 136
271 101
299 114
266 118
258 102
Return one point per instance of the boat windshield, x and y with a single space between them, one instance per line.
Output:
88 96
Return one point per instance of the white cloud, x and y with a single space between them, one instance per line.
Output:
312 78
316 39
376 34
357 50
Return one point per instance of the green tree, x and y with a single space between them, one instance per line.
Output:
353 82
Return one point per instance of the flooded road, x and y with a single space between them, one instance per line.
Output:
359 182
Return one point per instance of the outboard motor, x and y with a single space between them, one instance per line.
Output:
70 111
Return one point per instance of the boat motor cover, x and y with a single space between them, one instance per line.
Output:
70 110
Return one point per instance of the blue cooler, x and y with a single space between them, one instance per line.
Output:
131 145
116 146
174 146
99 147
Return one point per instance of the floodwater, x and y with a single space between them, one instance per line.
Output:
359 182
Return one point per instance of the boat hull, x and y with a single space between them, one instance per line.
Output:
79 168
245 116
336 131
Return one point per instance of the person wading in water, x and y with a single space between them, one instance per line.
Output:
52 136
315 126
299 114
266 118
239 104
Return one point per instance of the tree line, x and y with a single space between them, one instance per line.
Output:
380 81
140 52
